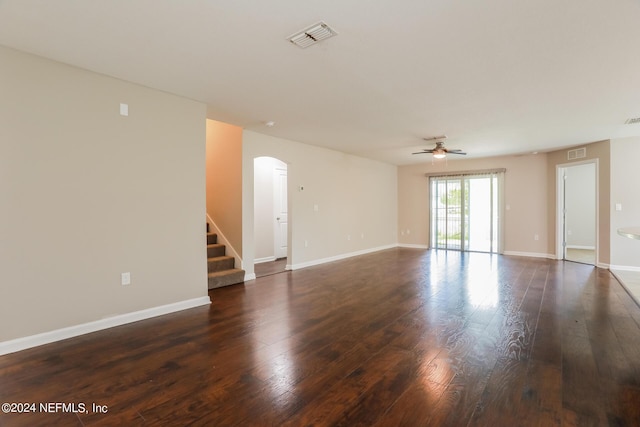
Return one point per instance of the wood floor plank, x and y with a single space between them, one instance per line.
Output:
401 337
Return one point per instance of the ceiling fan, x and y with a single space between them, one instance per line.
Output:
439 151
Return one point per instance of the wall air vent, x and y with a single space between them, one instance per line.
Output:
632 121
577 153
312 35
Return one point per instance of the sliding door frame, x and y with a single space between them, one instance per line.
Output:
463 177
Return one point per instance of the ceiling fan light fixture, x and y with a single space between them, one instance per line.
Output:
439 154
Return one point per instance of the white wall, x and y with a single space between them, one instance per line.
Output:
356 201
525 184
625 252
86 194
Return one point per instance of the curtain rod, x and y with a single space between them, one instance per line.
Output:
465 173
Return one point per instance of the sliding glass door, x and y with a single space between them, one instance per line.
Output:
465 212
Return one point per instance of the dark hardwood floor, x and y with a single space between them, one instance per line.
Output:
269 268
399 337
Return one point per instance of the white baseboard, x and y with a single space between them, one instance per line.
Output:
412 246
24 343
530 254
248 276
338 257
589 248
265 259
623 268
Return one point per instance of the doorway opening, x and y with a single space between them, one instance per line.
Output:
577 188
271 217
465 211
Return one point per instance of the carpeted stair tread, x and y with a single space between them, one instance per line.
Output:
218 279
221 268
215 250
212 238
220 263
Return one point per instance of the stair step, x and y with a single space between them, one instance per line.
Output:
220 263
219 279
215 250
212 238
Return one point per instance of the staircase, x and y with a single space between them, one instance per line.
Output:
222 271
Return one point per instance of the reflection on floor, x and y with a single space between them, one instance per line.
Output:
631 282
269 268
585 256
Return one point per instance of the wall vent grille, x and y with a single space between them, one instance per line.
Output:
578 153
312 35
632 121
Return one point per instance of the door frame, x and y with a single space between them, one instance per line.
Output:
561 237
497 193
278 192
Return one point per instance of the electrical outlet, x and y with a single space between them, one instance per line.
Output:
536 237
306 243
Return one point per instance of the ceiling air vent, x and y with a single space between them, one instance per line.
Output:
578 153
312 35
632 121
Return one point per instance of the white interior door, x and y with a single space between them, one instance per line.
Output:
281 213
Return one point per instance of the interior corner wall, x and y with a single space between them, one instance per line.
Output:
224 180
625 152
87 194
339 204
524 194
596 150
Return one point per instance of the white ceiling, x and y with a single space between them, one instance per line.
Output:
496 76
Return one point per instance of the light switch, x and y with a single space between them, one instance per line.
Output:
125 279
618 207
124 109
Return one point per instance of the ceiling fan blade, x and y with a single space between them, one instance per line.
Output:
453 150
456 152
424 152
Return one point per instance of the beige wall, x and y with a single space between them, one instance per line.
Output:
524 192
356 200
625 152
87 194
224 180
601 152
